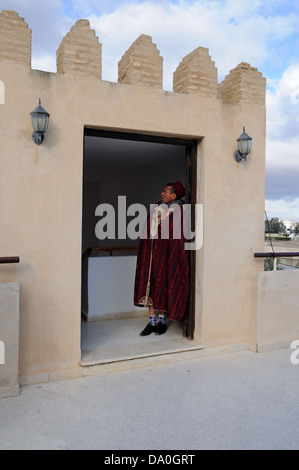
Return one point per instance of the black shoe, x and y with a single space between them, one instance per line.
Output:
148 330
161 328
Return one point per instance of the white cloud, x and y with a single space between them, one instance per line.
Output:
283 120
283 153
283 104
282 150
284 209
233 31
45 62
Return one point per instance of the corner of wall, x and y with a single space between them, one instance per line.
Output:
243 84
15 38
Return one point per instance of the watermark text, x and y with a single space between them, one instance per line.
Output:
295 354
2 353
132 222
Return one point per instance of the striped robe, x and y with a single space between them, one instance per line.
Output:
162 268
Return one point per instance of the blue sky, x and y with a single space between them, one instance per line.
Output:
264 33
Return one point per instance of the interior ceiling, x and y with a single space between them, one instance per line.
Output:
102 153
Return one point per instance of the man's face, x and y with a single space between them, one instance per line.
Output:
167 196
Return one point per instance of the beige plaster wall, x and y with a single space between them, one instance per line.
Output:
41 201
277 313
9 339
233 196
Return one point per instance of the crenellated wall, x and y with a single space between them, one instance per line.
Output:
41 186
243 84
80 53
141 64
196 74
15 38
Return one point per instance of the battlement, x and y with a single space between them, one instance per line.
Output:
15 38
141 64
80 53
196 74
244 83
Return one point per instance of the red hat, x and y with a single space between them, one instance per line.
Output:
179 189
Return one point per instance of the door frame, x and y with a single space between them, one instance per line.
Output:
190 198
191 146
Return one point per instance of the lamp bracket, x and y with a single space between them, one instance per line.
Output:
238 156
38 137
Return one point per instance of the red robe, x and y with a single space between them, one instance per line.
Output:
162 269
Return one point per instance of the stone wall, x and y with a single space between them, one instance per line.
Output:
243 84
15 38
41 186
141 64
196 74
80 52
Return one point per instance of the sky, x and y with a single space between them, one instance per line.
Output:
264 33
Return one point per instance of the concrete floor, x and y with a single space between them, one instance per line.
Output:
118 339
238 400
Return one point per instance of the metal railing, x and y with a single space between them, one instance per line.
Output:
9 259
275 256
110 250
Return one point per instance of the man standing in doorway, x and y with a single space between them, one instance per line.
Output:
162 270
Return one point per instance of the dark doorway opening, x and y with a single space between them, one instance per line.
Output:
136 167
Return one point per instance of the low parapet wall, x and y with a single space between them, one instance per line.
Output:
9 339
277 309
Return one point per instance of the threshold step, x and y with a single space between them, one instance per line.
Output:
92 358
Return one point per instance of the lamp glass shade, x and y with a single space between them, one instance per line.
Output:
40 122
244 143
40 119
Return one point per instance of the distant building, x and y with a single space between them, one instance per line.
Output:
290 222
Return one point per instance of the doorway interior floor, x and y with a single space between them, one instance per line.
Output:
118 340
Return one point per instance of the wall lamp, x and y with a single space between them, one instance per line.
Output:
244 146
40 122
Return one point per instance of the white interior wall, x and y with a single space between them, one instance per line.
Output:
140 172
117 172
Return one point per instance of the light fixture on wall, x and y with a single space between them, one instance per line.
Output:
244 146
40 122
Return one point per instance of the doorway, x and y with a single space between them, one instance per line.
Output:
126 168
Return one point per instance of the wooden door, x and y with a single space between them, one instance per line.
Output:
190 198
